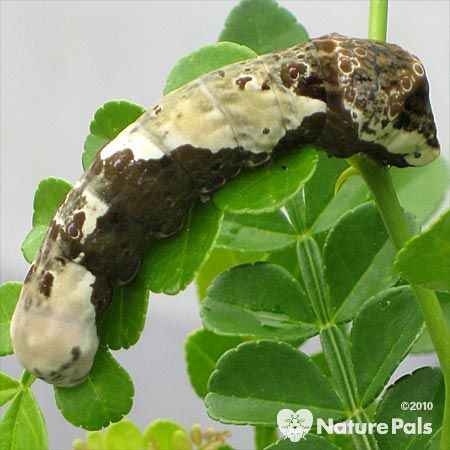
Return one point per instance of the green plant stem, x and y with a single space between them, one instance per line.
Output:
334 343
378 19
379 181
264 436
27 379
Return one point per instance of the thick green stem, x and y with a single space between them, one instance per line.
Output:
379 181
264 436
334 342
378 19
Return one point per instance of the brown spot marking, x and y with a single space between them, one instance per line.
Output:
418 69
157 109
266 131
76 353
301 56
360 51
292 71
45 287
277 57
327 46
242 81
75 226
30 273
345 65
265 86
221 73
406 83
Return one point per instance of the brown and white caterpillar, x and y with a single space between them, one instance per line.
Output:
341 94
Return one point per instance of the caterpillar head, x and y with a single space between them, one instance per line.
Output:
53 328
406 126
378 97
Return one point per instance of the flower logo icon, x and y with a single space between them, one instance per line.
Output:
294 425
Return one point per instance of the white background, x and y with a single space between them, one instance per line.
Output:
61 60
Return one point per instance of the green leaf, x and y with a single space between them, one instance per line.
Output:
424 385
159 434
122 323
286 258
320 361
32 243
425 258
109 120
359 259
124 435
9 294
105 397
424 344
203 349
23 425
388 325
172 264
263 25
322 207
254 381
259 299
256 232
8 388
49 196
422 189
95 440
219 260
266 189
309 442
204 60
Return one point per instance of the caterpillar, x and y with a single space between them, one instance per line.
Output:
340 94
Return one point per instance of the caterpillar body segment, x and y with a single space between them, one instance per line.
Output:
341 94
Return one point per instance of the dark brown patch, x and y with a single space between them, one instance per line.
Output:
242 81
291 72
345 65
75 226
102 294
326 45
45 286
266 131
76 353
266 85
221 73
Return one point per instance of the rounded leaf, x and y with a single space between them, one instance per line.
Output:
204 60
171 264
424 385
9 294
203 349
123 435
159 434
259 299
263 25
254 381
23 425
109 120
105 397
267 189
425 258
